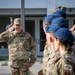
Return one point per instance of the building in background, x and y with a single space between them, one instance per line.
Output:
35 10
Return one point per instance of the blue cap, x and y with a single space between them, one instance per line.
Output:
64 34
61 13
50 18
56 24
61 22
51 28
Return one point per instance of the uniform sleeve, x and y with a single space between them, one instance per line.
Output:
4 36
33 51
66 68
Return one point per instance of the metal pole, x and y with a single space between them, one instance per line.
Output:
56 3
22 14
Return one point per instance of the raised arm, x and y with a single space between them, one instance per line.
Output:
4 35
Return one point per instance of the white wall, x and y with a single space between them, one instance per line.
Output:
10 4
51 4
28 3
66 3
35 3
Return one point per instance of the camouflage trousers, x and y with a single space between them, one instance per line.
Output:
17 71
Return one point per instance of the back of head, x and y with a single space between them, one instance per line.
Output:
58 8
61 13
66 38
50 18
60 22
51 28
47 19
64 34
61 8
57 23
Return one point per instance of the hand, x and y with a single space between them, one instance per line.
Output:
11 28
73 28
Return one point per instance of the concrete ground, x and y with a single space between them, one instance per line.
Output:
5 70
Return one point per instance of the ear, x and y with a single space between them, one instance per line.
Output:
51 39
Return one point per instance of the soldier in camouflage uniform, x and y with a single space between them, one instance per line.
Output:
54 54
22 49
47 21
65 63
48 53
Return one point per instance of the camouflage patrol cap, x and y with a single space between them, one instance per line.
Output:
17 21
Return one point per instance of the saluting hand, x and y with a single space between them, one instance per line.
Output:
11 28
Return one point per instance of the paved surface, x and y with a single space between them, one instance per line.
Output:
5 70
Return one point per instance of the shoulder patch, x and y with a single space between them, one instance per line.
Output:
67 67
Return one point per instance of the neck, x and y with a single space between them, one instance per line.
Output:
62 50
18 31
53 47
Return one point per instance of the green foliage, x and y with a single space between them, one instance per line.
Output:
3 59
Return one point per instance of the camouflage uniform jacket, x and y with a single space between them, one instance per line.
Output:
64 65
47 52
22 48
52 58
